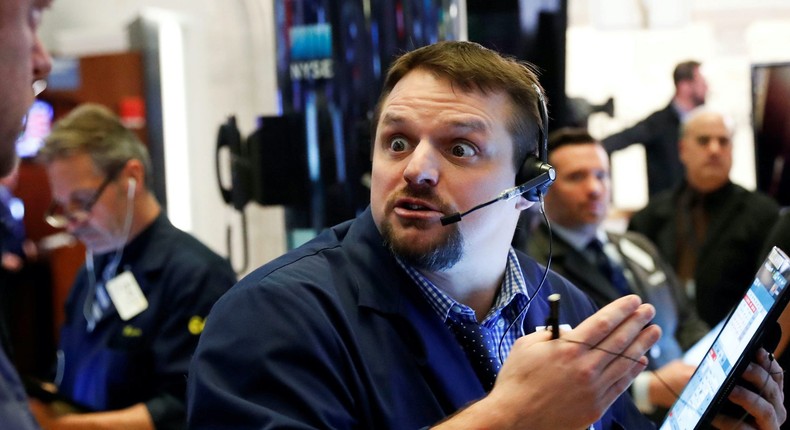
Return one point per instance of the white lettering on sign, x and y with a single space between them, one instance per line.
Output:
315 69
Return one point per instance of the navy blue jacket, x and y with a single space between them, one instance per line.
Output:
335 335
14 411
145 359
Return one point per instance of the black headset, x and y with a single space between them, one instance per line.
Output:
535 167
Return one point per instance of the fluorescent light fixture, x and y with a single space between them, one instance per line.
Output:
174 115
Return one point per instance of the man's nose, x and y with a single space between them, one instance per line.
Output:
422 167
42 61
715 146
595 185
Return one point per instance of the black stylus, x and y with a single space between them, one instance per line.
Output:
554 315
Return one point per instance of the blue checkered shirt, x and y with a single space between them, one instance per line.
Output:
504 315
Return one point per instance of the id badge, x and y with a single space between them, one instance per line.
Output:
126 295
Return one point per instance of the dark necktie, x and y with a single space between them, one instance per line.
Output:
611 271
480 348
692 224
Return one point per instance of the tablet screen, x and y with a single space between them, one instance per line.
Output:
728 355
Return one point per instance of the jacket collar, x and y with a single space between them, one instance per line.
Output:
384 287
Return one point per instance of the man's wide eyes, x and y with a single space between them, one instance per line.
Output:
460 149
398 144
463 150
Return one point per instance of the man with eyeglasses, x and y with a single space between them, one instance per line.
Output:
23 60
136 309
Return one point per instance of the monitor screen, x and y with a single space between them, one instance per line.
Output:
771 123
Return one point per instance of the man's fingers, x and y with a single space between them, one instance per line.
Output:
767 361
625 367
599 325
533 338
626 342
766 405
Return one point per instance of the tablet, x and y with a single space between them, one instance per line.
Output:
730 353
697 352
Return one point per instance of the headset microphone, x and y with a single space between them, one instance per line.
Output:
535 174
547 177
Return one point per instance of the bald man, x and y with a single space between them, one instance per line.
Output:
708 228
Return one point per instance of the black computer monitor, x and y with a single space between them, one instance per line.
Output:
771 123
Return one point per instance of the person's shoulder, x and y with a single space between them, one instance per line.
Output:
632 236
753 206
309 263
176 258
181 246
638 239
662 198
658 207
756 197
665 114
301 281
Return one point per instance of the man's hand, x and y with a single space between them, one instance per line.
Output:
569 382
766 408
43 413
11 262
135 417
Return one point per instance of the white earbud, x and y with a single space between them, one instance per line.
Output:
132 187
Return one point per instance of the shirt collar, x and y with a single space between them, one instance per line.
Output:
513 287
578 239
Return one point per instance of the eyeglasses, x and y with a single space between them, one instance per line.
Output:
57 216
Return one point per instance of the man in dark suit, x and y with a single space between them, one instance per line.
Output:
708 228
659 131
608 265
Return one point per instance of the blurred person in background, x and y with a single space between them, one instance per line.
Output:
608 265
709 229
136 308
659 132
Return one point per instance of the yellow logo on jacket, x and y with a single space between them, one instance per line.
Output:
196 324
131 331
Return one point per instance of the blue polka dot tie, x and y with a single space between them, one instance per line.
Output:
480 347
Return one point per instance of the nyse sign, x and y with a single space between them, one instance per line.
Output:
311 52
312 70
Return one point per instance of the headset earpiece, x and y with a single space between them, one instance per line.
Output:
534 166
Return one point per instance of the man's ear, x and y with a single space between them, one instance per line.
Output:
134 170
